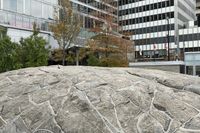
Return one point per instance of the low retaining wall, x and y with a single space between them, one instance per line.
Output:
172 66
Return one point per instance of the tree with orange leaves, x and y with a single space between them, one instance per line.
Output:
110 50
111 47
66 28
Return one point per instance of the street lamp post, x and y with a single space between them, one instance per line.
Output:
168 38
77 55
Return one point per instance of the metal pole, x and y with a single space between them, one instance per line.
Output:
77 56
194 70
168 38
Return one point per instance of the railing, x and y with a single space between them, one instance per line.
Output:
23 21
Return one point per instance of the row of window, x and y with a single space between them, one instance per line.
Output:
147 7
191 3
90 22
187 11
147 19
87 10
124 2
22 13
154 40
189 37
154 54
182 38
100 5
150 29
40 9
22 21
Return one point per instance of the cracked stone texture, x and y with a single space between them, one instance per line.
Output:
98 100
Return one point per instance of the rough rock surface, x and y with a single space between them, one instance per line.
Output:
98 100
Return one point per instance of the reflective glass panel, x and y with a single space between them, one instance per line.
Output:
10 5
20 6
36 8
27 7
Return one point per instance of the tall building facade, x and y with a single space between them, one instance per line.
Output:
198 13
19 15
94 12
155 22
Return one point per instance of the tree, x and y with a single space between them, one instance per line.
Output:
111 50
105 22
33 51
8 54
112 47
66 28
93 60
57 55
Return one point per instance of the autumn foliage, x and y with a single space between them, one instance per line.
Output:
66 28
110 50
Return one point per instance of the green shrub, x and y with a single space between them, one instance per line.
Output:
93 60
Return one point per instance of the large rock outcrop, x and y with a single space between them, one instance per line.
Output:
98 100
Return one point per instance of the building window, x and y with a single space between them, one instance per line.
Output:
26 22
48 11
36 9
20 6
11 19
10 5
27 7
19 21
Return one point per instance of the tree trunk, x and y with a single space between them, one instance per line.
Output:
107 41
64 56
77 56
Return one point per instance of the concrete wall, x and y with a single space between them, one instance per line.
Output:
175 69
171 66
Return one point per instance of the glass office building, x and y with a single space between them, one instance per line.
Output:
94 11
198 13
22 13
150 20
18 15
